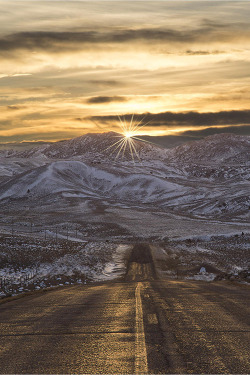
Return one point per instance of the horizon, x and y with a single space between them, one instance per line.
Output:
167 141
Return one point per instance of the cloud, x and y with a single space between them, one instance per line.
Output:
15 107
105 99
106 58
9 94
71 40
33 136
104 83
240 130
191 118
203 52
170 141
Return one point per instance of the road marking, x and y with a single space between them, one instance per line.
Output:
141 361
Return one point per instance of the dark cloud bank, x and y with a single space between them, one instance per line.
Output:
191 118
236 122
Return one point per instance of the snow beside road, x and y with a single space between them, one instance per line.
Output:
31 264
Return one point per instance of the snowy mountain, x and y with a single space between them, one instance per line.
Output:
76 177
208 178
92 146
215 149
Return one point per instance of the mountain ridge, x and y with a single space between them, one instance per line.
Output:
217 148
176 180
91 145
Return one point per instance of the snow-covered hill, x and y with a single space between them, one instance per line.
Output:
208 178
92 146
216 149
213 150
78 178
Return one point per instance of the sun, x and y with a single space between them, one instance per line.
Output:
127 138
128 135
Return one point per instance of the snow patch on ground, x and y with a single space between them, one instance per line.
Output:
30 264
117 267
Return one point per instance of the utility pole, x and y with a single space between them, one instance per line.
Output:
76 230
67 232
56 235
45 234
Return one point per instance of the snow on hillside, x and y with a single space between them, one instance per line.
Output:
75 179
210 177
78 177
215 149
14 166
92 146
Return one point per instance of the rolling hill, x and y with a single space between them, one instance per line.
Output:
207 178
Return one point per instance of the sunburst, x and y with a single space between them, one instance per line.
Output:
130 131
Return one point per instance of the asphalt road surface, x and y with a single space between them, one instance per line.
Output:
138 325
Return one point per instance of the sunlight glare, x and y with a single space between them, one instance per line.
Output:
128 137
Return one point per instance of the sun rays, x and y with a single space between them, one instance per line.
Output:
127 138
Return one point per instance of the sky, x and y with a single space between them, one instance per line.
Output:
68 68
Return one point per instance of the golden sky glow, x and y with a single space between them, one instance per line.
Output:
68 68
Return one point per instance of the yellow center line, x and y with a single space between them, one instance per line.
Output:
141 362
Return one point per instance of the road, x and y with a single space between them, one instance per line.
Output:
138 325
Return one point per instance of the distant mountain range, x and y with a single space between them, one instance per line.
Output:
90 147
207 178
217 149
